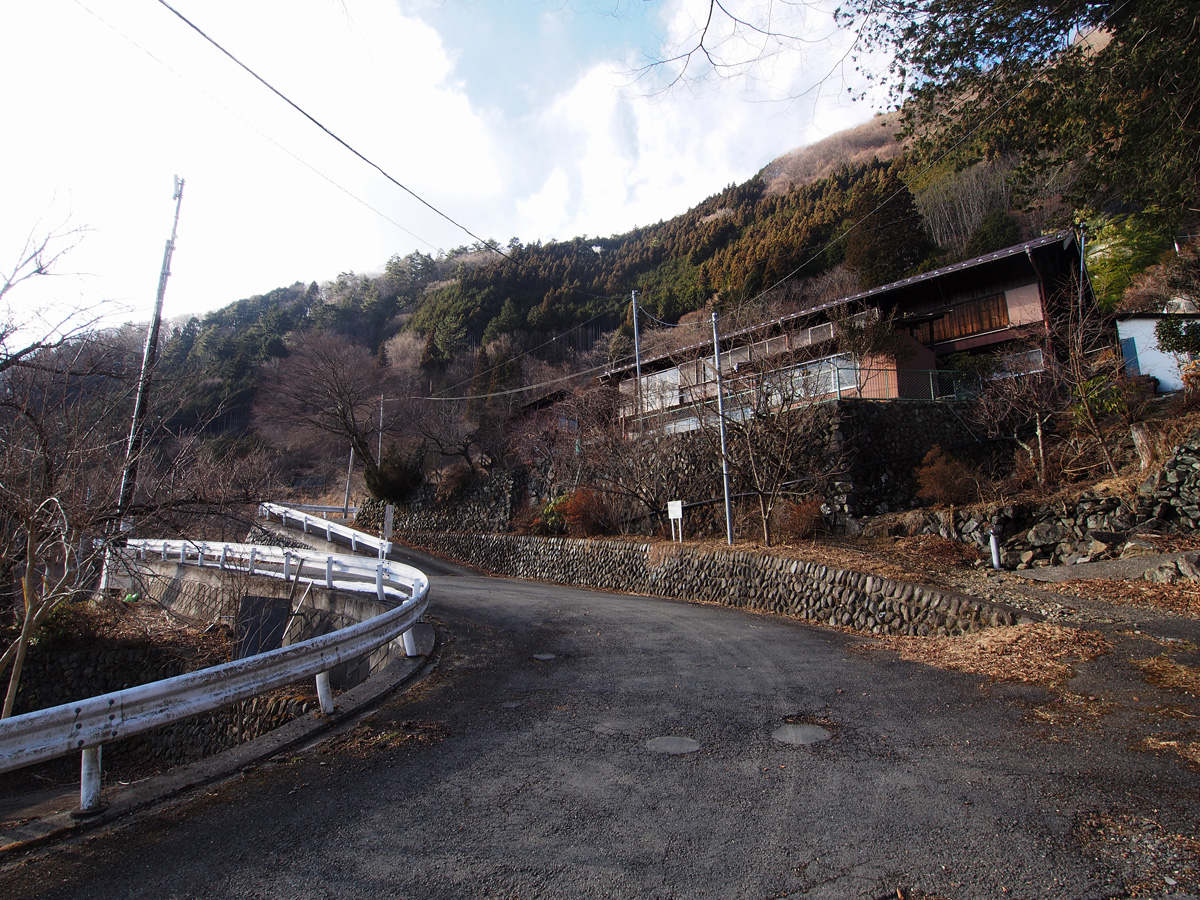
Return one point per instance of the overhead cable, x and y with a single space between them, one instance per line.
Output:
490 245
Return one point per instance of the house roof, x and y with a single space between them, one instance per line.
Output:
1066 237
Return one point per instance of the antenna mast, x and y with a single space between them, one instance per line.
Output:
149 357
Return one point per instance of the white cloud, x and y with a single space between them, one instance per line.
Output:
98 128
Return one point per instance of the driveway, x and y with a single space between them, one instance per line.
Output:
577 744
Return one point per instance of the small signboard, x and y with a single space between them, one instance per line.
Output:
675 514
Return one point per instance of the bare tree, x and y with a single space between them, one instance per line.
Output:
21 338
777 436
1022 391
729 39
327 385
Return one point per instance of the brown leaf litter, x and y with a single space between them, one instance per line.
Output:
1038 653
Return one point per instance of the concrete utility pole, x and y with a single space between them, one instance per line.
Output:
721 422
637 363
149 357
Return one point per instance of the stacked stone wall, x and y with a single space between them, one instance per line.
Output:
1092 526
739 579
883 443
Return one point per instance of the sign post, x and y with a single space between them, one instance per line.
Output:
675 514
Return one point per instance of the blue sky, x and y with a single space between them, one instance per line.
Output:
516 118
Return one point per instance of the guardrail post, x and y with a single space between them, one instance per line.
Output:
200 556
287 564
253 554
379 581
410 643
89 782
328 533
324 694
329 572
224 555
353 543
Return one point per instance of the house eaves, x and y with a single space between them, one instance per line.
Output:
1066 237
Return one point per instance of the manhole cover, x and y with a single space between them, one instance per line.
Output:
674 746
544 657
801 734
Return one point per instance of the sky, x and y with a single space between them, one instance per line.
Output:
510 118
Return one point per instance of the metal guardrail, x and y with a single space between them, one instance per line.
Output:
316 525
317 508
86 725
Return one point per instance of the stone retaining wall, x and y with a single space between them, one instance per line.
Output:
732 578
1092 526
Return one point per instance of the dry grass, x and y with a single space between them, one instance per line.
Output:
1072 710
1162 671
1189 750
366 738
1040 653
1182 598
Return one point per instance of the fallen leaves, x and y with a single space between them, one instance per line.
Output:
365 739
1162 671
1182 598
1039 653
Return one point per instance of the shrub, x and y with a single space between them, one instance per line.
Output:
801 520
399 475
945 480
454 483
587 513
549 519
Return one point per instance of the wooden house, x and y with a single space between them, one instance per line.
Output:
1000 299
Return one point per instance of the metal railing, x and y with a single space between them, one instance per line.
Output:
327 510
789 387
86 725
319 526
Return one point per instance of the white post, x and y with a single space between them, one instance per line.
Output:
329 572
994 540
637 363
349 471
287 564
324 694
410 643
379 581
89 782
253 555
721 421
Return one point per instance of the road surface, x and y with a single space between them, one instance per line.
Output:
577 744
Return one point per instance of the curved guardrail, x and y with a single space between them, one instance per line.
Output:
317 525
86 725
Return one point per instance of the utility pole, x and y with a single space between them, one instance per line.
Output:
149 357
721 422
637 363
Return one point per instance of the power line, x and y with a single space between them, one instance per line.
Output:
525 353
1012 98
255 128
488 244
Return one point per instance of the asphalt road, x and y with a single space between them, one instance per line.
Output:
529 765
